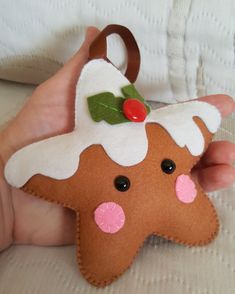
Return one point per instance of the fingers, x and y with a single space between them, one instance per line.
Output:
214 170
224 103
216 177
91 34
220 152
73 67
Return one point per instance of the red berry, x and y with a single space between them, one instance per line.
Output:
134 110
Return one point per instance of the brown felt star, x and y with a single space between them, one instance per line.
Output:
146 203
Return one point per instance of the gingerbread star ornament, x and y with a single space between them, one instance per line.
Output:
124 169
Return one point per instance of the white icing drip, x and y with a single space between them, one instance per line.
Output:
178 120
126 143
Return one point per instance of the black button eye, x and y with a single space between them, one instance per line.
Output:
168 166
122 183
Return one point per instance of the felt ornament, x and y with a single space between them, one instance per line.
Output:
124 169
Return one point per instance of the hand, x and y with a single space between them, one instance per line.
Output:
49 112
25 219
215 171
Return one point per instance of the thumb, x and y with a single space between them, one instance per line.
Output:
73 67
224 103
91 34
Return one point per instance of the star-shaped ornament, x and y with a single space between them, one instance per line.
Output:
124 179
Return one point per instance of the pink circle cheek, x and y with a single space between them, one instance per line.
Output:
109 217
185 189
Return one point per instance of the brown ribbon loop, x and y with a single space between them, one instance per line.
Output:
98 49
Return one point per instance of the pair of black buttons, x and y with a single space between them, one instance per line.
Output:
122 183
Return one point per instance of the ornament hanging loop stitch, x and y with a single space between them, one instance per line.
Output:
98 49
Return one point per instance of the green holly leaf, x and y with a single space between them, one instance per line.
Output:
105 106
130 91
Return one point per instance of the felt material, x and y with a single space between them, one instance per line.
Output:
110 217
161 267
105 106
178 120
130 91
126 144
150 205
98 49
185 189
79 170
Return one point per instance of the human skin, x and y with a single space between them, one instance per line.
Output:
25 219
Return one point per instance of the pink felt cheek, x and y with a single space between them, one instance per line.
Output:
185 189
110 217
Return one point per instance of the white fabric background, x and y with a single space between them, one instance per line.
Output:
187 46
187 49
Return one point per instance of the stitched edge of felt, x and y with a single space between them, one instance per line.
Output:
101 284
88 276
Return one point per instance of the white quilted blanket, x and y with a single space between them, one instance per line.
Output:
187 46
187 49
161 267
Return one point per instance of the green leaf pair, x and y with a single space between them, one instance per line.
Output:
105 106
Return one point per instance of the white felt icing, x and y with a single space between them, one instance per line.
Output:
125 143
